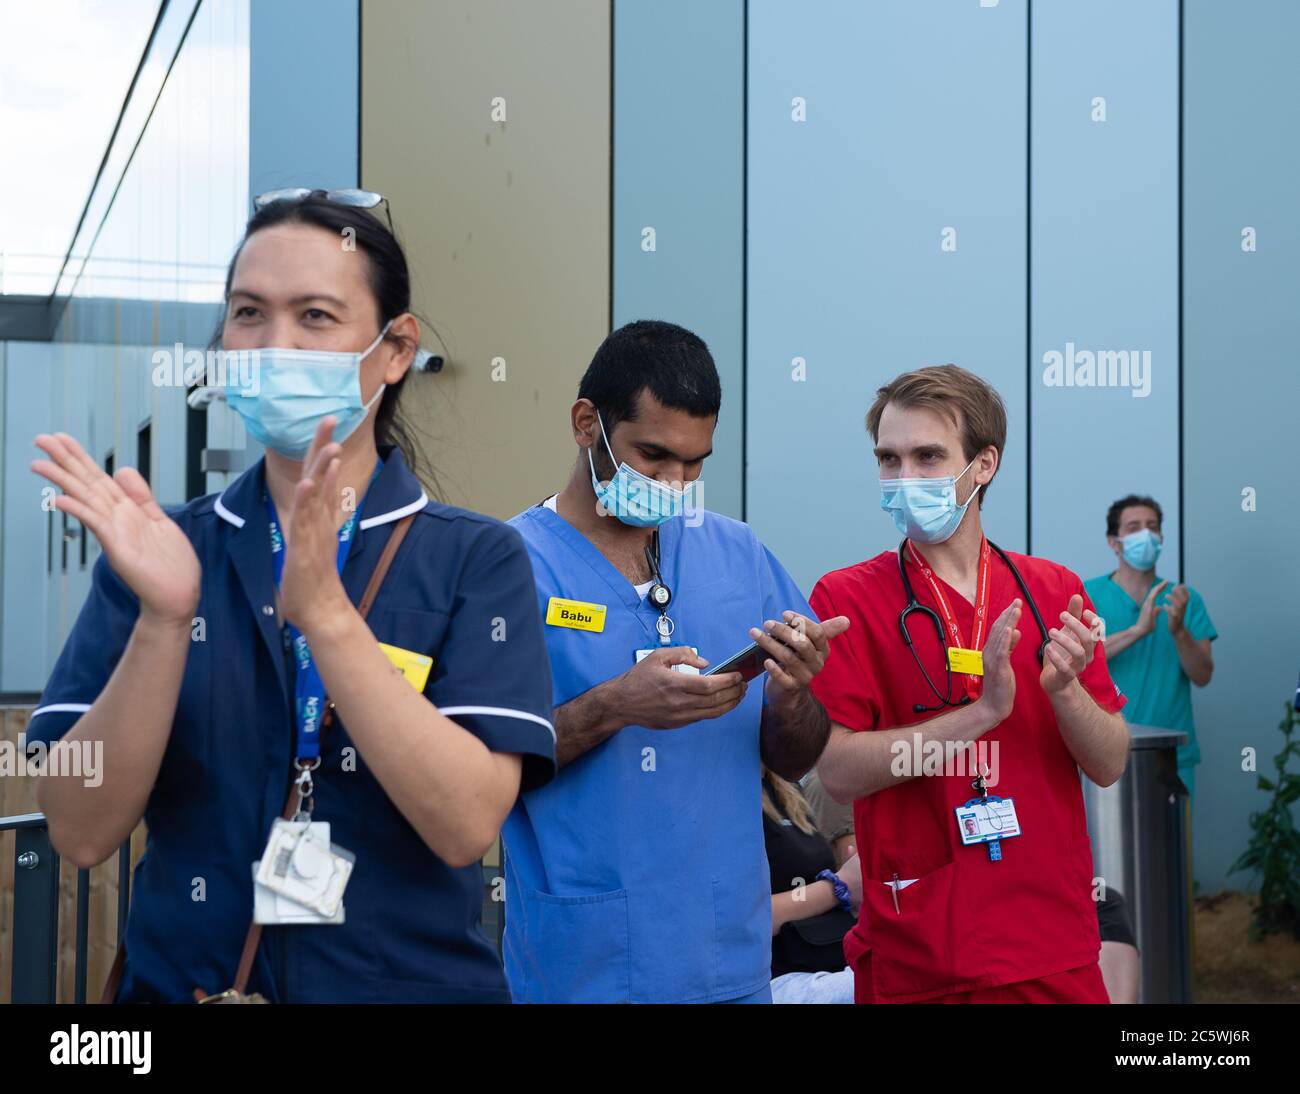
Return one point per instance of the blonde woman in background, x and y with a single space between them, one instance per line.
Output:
813 905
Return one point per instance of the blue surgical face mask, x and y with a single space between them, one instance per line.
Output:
1141 549
925 510
637 499
296 388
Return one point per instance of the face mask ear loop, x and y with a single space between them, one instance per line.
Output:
371 348
366 353
375 398
958 479
591 463
604 437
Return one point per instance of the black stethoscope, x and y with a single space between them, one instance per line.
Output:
914 605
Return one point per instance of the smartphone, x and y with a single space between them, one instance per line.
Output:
748 662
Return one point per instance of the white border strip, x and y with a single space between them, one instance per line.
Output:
226 514
370 522
60 708
397 514
500 712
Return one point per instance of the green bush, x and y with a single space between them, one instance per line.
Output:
1274 849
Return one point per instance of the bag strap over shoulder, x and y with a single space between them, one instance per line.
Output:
381 567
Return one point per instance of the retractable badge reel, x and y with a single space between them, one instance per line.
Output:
659 595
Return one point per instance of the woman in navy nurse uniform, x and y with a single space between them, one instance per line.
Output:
215 636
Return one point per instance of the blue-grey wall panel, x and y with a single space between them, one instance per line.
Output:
303 84
27 373
915 124
303 117
1241 390
1104 270
679 171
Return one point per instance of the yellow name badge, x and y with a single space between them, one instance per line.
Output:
575 614
415 666
970 662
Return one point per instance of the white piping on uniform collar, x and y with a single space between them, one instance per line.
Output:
396 514
369 522
225 514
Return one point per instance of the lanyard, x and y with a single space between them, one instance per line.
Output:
974 684
308 687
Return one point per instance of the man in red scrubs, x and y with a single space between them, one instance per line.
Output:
973 891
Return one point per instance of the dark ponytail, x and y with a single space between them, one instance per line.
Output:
390 282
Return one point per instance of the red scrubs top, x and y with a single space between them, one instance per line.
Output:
965 923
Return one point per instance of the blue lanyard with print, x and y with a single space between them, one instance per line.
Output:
308 687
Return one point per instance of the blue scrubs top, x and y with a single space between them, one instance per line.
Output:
639 874
1149 672
460 590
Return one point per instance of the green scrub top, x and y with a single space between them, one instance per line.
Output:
1149 672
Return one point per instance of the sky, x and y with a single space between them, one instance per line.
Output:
65 66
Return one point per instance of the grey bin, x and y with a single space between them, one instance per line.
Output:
1138 828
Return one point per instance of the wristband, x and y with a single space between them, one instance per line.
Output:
841 889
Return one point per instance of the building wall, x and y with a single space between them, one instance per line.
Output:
1240 390
988 121
830 157
1104 267
304 57
152 277
242 110
866 165
679 194
23 523
505 222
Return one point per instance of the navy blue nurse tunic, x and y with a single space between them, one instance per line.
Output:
460 590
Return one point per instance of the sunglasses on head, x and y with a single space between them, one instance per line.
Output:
357 199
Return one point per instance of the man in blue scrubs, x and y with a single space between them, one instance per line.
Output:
639 873
1153 662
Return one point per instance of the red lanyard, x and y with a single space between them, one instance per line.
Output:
974 684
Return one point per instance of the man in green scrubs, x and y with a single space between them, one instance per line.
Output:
1157 638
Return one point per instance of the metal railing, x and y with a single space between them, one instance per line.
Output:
35 958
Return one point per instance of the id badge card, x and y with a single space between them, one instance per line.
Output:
980 821
968 662
690 670
270 909
301 863
414 666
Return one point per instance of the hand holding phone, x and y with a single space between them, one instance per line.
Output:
652 695
748 662
800 650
